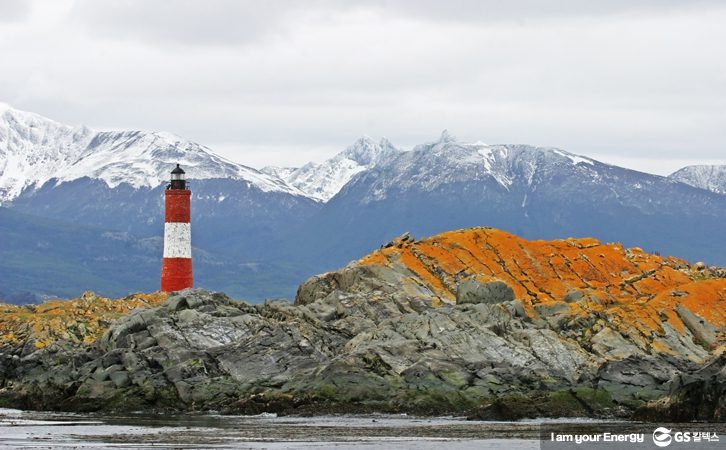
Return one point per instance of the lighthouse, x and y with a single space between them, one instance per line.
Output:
176 268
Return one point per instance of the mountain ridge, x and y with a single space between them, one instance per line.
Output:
63 153
35 150
708 177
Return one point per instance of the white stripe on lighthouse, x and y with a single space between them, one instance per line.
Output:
177 240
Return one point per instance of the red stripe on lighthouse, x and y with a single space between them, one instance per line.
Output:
176 274
178 206
176 269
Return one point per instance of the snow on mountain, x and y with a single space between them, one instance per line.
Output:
712 178
279 172
321 181
448 161
34 149
426 166
145 158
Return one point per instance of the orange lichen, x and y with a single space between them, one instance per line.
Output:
536 270
82 320
636 291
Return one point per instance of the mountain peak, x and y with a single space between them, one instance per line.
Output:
709 177
36 149
324 180
368 152
364 140
446 136
384 142
361 146
28 118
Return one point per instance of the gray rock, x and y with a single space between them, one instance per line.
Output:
612 345
637 379
111 358
474 291
100 375
704 332
699 395
573 296
358 338
120 379
554 314
114 368
517 309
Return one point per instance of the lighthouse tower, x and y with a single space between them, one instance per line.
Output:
176 269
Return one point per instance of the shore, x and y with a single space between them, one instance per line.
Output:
26 429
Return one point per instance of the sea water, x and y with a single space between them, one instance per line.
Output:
47 430
26 429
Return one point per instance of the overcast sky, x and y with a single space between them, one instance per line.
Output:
637 83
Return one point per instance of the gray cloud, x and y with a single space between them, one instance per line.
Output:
285 82
13 10
520 10
230 22
190 22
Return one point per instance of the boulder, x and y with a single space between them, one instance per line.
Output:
694 396
704 332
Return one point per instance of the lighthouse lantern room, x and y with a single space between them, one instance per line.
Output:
176 268
177 178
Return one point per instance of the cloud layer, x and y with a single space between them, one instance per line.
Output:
285 82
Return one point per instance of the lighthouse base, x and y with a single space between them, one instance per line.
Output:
176 274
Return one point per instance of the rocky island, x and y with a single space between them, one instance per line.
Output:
476 322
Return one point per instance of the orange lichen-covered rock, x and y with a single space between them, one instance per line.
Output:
81 320
638 295
538 271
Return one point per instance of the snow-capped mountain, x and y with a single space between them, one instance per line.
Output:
34 150
321 181
279 172
93 202
446 161
535 192
426 166
712 178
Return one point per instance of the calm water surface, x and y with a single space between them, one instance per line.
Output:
45 430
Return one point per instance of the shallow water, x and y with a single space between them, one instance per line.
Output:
42 430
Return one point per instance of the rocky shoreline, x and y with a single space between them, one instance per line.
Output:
374 337
201 351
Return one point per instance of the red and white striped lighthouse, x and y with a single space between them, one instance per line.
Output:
176 269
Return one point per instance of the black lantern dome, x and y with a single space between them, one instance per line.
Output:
177 178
